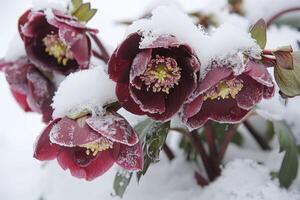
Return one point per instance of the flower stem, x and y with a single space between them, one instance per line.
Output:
228 137
202 153
210 137
276 16
103 55
200 179
260 140
169 153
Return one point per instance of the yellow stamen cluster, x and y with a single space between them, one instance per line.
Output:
225 90
162 74
94 148
58 49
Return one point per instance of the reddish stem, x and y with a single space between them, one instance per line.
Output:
228 137
202 153
169 153
103 55
200 179
267 52
276 16
209 133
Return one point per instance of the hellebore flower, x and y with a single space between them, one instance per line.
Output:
55 40
32 90
89 146
223 97
154 80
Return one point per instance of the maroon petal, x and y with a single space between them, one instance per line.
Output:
259 73
113 127
122 58
164 41
66 160
62 18
148 101
71 133
100 165
45 149
131 157
251 93
40 92
22 100
79 44
16 75
269 92
212 78
192 108
139 65
124 97
73 159
30 26
224 111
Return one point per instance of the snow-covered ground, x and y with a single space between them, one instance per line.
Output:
22 177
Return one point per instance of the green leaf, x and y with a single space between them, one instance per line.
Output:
289 80
76 4
122 180
154 135
289 166
259 33
84 12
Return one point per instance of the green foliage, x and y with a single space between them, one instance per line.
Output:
259 33
82 11
289 167
122 180
153 134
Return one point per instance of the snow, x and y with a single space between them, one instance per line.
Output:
252 180
61 5
16 49
23 177
84 90
208 47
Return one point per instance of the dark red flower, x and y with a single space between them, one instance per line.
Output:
32 90
223 97
89 146
55 40
154 80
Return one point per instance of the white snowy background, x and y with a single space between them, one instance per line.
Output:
22 177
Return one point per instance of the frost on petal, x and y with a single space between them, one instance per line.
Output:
16 74
45 149
259 73
131 158
71 133
114 127
251 93
140 64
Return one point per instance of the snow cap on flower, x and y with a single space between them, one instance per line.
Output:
88 146
87 90
155 71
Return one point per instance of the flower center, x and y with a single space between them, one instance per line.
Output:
58 49
225 90
162 74
94 148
